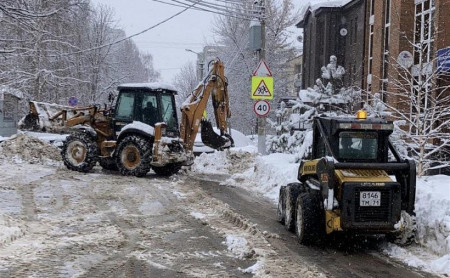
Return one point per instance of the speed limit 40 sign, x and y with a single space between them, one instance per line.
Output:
261 108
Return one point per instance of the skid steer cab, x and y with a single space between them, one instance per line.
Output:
355 182
139 134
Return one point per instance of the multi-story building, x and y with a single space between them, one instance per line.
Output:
414 31
333 28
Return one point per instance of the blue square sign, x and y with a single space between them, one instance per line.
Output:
443 59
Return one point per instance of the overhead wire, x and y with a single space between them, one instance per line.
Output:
129 37
212 8
207 3
233 8
197 9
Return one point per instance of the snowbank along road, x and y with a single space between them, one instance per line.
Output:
59 223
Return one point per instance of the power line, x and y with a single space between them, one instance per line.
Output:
129 37
211 9
243 11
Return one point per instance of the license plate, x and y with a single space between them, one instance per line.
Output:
370 198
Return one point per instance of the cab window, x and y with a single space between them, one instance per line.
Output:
149 108
125 105
358 145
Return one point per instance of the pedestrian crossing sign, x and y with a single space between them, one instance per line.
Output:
262 87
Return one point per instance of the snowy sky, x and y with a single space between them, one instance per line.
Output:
167 43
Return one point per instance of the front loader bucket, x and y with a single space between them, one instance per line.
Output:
212 139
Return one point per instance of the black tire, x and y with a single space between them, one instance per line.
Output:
108 163
309 222
80 152
168 170
407 234
281 204
134 154
291 194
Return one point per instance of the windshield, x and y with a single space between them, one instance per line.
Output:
358 145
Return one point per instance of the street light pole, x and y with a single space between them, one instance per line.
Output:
200 62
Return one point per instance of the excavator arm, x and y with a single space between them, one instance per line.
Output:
215 86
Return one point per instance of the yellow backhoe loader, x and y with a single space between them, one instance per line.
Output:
141 131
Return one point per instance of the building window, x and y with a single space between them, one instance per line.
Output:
424 32
423 55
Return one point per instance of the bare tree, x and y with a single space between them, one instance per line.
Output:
185 82
55 49
233 37
418 100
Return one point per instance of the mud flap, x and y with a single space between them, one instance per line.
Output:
212 139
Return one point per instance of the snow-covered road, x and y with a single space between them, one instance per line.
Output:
67 224
59 223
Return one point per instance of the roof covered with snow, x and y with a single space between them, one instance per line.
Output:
11 91
151 86
315 5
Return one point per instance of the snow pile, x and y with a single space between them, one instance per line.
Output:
23 148
238 246
433 227
433 213
265 174
10 229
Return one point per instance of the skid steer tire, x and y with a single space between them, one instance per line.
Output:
281 204
80 152
134 154
291 194
108 163
167 170
309 224
406 235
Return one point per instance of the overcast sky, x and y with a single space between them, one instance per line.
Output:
167 42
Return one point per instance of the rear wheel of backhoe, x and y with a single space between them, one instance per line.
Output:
309 218
80 152
291 193
281 204
134 154
168 170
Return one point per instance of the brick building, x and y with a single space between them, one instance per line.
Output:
393 27
333 28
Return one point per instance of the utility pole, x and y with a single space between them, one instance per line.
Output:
261 121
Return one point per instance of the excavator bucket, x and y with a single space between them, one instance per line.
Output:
212 139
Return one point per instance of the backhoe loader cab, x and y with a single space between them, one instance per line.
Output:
149 103
347 185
